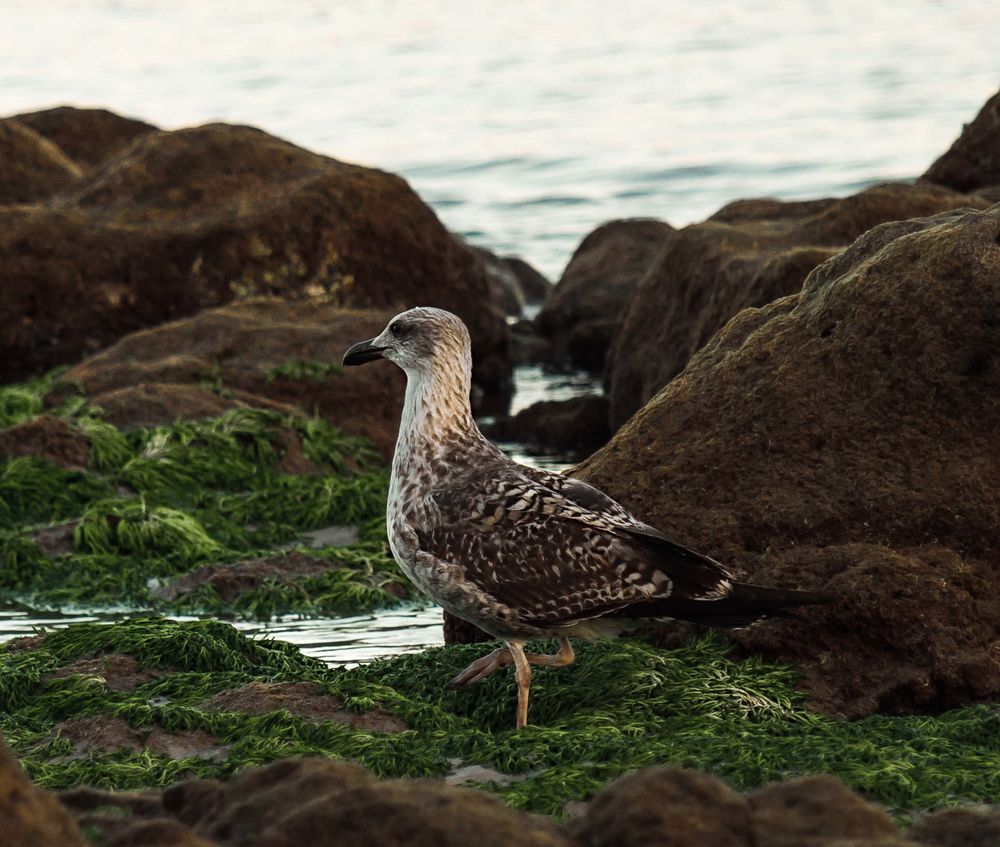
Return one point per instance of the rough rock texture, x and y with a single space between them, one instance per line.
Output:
87 136
103 733
31 167
972 826
669 807
48 438
116 671
748 254
845 438
248 352
973 161
29 816
579 423
187 220
592 296
817 810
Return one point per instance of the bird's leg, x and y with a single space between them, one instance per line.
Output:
482 668
522 673
564 657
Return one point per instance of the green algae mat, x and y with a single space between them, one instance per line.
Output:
149 506
621 706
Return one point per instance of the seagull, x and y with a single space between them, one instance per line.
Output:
520 552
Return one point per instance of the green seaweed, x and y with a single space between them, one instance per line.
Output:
302 369
621 706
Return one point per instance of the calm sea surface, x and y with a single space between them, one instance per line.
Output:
526 124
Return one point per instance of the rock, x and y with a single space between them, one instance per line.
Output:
669 807
255 353
33 168
973 161
411 812
972 826
576 424
588 303
535 288
87 136
48 438
513 281
817 810
187 220
842 438
305 699
101 733
116 671
459 631
748 254
157 833
29 816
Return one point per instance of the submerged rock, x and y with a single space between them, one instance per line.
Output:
748 254
972 163
186 220
844 438
582 315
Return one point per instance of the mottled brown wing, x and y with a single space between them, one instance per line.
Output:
532 548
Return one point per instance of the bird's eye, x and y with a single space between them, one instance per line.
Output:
397 329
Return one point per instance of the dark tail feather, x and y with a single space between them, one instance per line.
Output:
745 605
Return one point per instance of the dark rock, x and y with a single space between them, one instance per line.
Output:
48 438
86 799
668 807
527 346
586 306
817 810
196 218
157 833
87 136
579 423
975 826
535 288
844 437
233 355
746 255
459 631
973 161
29 816
304 699
513 282
31 168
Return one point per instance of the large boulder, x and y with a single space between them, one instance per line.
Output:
87 136
594 292
30 166
845 438
263 352
187 220
972 163
748 254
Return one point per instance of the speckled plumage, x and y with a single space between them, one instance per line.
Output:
520 552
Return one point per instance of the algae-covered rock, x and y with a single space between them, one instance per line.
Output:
32 167
844 438
87 136
187 220
748 254
582 314
973 161
30 817
257 353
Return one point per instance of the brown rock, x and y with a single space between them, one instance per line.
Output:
844 437
459 631
411 812
87 136
31 168
973 161
30 816
116 671
971 826
100 732
159 375
746 255
588 303
669 807
817 810
187 220
576 424
158 833
304 699
48 438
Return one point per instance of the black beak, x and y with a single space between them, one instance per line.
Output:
363 351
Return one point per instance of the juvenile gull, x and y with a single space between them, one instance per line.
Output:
519 552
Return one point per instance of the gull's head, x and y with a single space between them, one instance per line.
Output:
419 341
